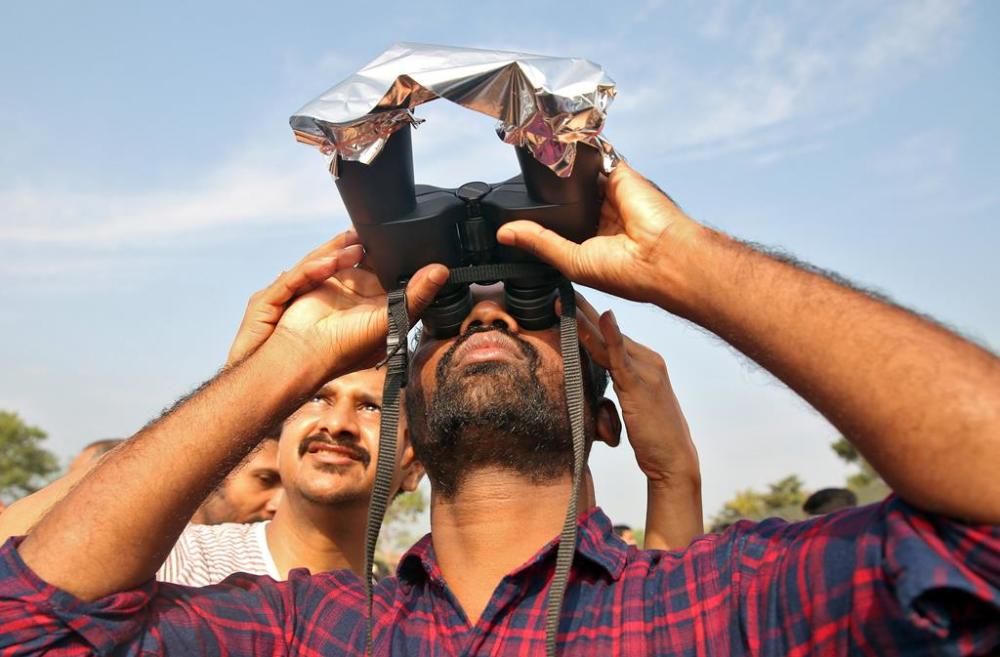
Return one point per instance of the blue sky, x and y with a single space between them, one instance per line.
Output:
149 183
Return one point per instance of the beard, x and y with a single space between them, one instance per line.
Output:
490 414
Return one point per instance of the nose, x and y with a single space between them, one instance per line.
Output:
339 419
275 500
492 314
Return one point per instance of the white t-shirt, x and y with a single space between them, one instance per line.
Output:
208 554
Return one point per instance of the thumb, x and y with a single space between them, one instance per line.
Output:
423 287
544 244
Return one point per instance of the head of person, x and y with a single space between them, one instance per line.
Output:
91 454
624 532
250 493
828 500
329 445
493 397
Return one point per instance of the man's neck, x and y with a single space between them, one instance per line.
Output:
318 537
497 521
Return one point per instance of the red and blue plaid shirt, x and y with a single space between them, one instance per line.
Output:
881 580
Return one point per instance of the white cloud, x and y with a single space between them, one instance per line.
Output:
249 188
782 77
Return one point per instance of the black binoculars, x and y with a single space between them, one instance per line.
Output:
404 226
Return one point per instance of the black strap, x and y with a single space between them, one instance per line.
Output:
499 272
573 381
395 379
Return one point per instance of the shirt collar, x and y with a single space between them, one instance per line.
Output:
596 542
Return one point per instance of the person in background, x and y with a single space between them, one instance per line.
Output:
624 532
90 455
828 500
250 493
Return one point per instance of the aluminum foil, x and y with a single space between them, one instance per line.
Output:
546 104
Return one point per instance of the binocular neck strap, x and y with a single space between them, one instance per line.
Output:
397 360
569 343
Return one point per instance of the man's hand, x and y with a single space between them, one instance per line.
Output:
637 228
331 305
267 306
655 425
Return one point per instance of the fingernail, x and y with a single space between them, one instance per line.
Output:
614 320
438 275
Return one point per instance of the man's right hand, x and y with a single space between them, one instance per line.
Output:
330 305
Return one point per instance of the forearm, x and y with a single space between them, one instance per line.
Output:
24 514
920 403
112 532
673 513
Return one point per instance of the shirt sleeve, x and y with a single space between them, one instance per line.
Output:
886 580
246 614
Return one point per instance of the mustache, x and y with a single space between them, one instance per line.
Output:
350 446
527 350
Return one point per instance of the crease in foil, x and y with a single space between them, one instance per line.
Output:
546 104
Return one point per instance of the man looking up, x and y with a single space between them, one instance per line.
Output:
918 572
326 451
325 457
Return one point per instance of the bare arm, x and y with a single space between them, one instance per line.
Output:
920 403
115 528
656 427
19 518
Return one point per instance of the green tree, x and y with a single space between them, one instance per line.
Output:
783 499
25 466
397 535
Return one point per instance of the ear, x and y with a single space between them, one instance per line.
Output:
609 424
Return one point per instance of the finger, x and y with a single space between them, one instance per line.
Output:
592 340
423 287
308 275
588 332
541 242
330 247
618 356
588 309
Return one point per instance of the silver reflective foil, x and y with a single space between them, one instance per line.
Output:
546 104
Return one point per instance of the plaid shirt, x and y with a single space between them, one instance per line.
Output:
881 580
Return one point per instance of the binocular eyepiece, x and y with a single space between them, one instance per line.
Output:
405 226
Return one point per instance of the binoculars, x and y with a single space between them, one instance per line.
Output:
405 226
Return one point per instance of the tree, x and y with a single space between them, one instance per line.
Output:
25 465
396 535
783 499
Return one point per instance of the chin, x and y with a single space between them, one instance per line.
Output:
337 496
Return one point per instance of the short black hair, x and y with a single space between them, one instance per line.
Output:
102 446
829 499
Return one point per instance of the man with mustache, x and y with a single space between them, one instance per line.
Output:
915 573
325 461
